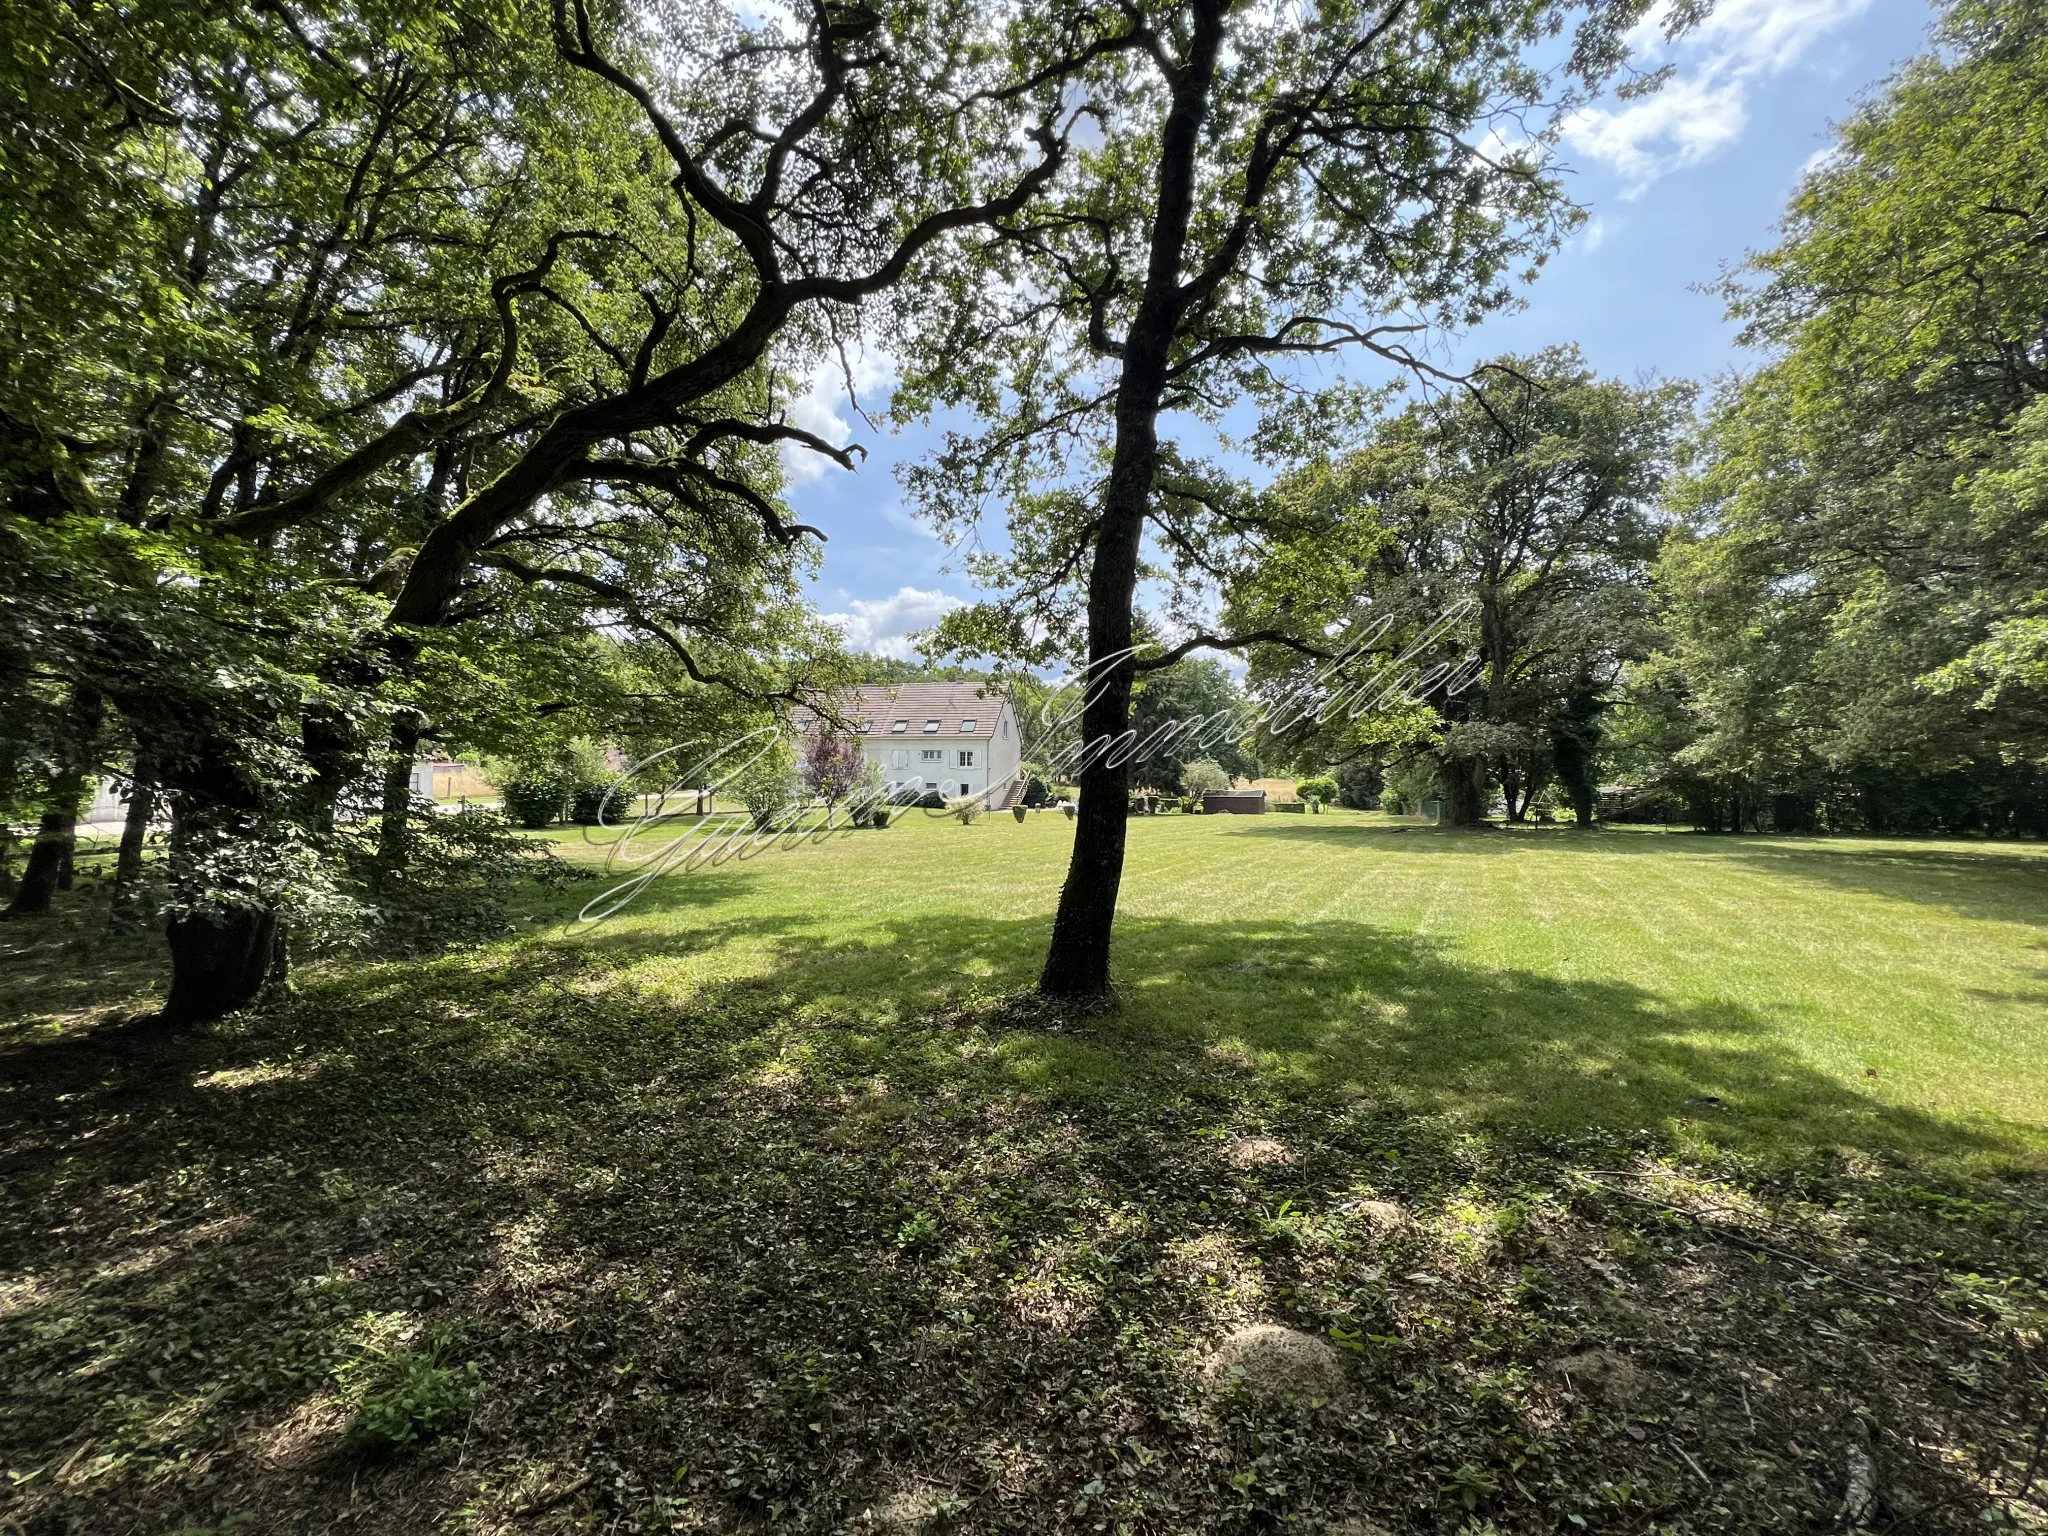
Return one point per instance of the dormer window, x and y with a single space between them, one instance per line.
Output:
967 726
861 726
898 727
931 727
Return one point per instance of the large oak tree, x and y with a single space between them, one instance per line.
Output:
1265 184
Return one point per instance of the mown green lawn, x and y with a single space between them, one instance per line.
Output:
1762 993
776 1203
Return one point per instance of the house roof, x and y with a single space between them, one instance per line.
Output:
951 704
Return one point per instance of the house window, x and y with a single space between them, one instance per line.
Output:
966 758
861 726
931 755
931 727
899 759
967 726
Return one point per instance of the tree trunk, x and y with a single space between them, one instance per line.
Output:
50 859
1574 738
1077 960
134 841
1513 792
395 826
220 954
218 963
44 876
1465 786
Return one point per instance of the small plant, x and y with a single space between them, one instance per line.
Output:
411 1395
1282 1224
919 1235
1470 1485
967 811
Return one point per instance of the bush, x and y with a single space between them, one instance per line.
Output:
535 800
1036 794
1318 792
603 802
966 811
1359 785
1202 777
769 785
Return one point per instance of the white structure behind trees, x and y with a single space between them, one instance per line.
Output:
960 739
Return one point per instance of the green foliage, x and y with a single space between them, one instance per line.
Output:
600 801
459 875
1193 708
1359 784
535 802
410 1394
1408 784
1855 593
302 308
767 781
1516 527
1202 776
1317 791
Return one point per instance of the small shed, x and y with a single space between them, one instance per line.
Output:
1234 802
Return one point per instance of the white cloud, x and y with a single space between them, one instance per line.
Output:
1595 236
1825 155
882 626
823 408
1705 106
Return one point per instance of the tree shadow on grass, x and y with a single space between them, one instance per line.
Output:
778 1249
1990 884
1495 840
1343 1005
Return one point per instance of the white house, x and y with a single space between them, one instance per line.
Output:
958 738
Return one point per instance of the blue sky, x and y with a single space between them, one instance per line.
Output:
1679 186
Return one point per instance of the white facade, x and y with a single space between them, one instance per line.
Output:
955 738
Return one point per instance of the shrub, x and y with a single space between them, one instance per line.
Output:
1201 777
1358 786
603 801
1036 794
769 785
1317 791
535 800
966 811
